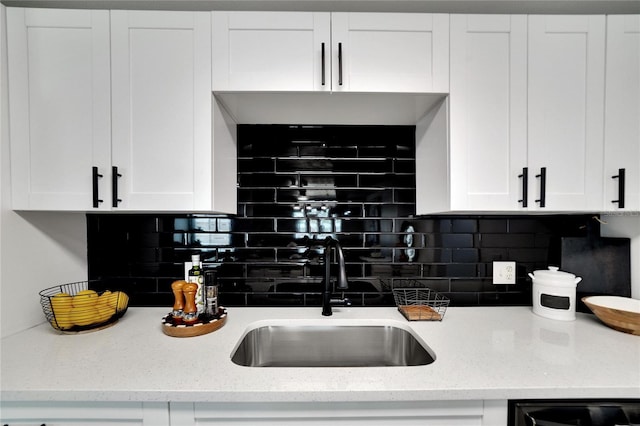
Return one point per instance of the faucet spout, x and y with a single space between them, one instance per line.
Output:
341 283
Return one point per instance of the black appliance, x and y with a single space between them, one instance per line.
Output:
603 263
624 412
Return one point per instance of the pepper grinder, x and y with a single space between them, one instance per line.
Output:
178 304
190 310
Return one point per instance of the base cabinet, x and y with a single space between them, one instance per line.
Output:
380 413
431 413
84 413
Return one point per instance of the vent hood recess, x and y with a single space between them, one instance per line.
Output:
338 108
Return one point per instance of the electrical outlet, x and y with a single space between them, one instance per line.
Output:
504 272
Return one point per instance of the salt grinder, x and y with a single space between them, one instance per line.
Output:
178 305
190 310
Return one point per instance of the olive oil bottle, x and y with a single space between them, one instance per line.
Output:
196 276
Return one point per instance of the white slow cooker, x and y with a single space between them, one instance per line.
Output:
554 293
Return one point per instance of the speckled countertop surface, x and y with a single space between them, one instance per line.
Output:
481 353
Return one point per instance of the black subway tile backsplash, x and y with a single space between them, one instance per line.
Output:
299 184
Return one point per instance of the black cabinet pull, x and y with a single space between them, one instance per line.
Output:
543 186
525 187
323 72
114 186
621 176
339 64
95 177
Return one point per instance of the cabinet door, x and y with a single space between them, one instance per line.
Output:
59 97
488 111
622 113
566 109
384 413
161 142
390 52
63 413
271 51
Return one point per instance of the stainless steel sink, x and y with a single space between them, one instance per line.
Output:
331 346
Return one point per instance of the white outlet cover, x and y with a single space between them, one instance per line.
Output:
504 272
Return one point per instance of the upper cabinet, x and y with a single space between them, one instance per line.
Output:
283 51
622 114
60 108
390 52
566 111
161 77
113 111
488 108
526 116
307 51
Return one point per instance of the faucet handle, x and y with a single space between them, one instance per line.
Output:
340 302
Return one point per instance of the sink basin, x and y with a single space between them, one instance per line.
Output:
316 345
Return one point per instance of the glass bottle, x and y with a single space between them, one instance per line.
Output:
196 275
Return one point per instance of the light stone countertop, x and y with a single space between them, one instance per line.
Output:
481 353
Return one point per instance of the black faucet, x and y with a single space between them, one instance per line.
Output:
327 301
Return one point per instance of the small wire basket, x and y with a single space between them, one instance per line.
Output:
74 307
420 304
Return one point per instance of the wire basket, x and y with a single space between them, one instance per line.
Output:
74 307
420 304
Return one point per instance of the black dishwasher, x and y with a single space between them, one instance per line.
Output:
554 412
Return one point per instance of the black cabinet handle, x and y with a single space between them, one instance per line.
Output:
543 186
323 72
95 177
114 186
525 187
339 64
621 176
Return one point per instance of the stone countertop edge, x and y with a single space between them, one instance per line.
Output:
482 353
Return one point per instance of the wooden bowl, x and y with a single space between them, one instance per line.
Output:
619 313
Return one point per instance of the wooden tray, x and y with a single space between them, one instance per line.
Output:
205 324
419 313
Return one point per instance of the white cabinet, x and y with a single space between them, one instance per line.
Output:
488 111
622 114
161 85
60 109
390 52
311 51
526 117
566 111
282 51
113 111
85 413
425 413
